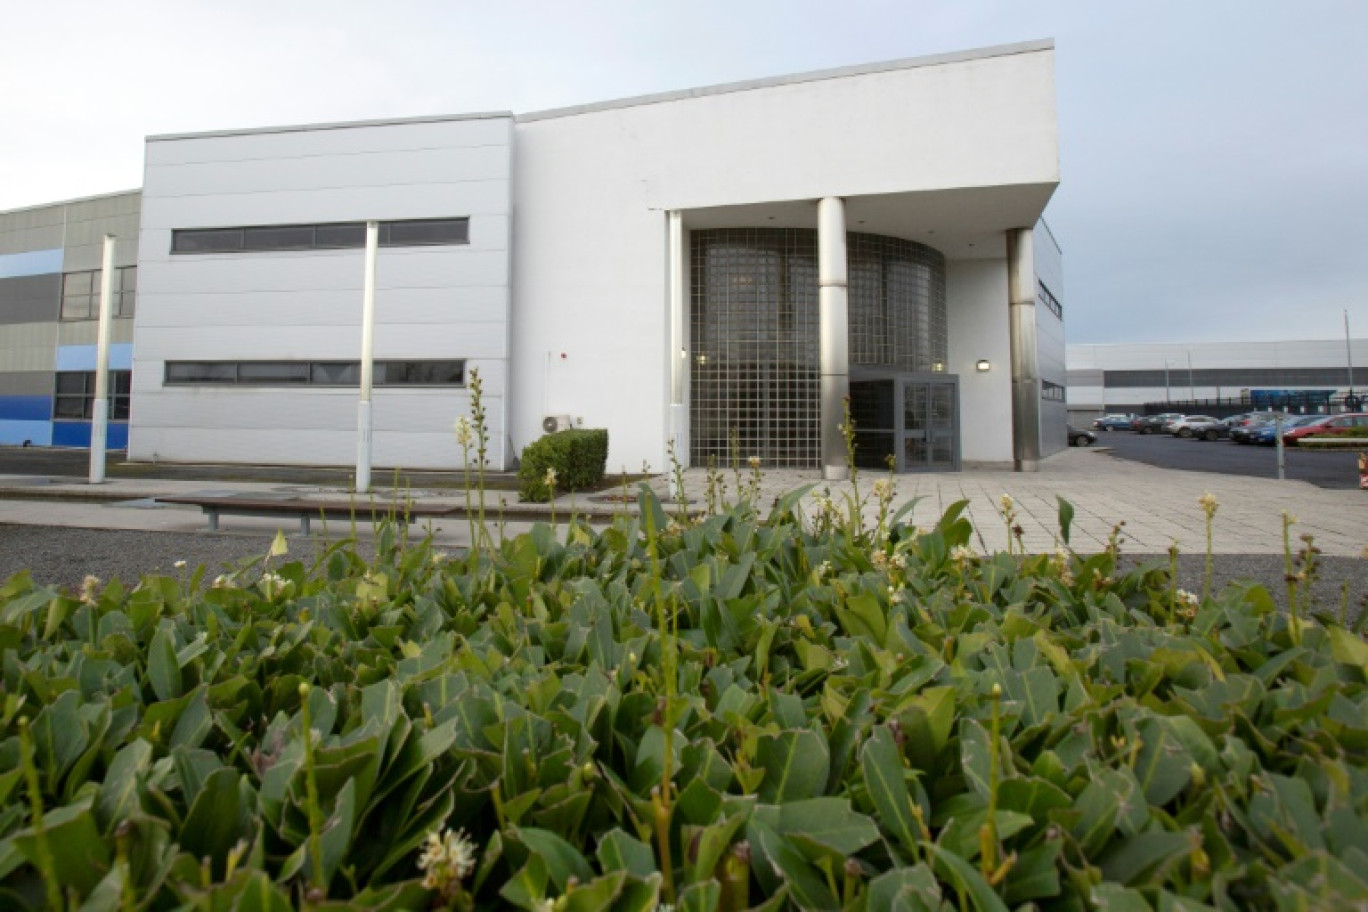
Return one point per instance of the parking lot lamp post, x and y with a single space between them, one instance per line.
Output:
1192 390
1348 357
99 425
1167 396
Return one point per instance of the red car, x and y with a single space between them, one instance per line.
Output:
1329 426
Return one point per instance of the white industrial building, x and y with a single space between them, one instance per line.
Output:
707 266
1125 377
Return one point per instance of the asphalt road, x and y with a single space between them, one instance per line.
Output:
1322 468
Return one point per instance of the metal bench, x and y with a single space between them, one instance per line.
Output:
306 509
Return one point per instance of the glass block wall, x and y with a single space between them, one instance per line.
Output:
754 327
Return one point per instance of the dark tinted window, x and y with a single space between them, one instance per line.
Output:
345 234
329 235
426 231
207 240
273 372
280 237
200 372
315 373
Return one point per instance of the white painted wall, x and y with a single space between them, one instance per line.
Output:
592 188
444 302
976 292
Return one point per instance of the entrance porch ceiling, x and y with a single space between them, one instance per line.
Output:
963 224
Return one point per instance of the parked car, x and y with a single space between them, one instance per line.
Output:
1183 425
1326 426
1149 424
1214 429
1245 431
1081 438
1113 423
1266 434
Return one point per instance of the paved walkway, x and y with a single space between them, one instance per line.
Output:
1159 506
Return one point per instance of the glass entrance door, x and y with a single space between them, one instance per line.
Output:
911 417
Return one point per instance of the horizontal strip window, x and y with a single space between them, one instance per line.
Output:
328 236
75 395
1235 377
81 293
1049 300
1052 391
313 373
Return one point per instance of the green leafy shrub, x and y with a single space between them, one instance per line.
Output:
1353 432
738 713
578 457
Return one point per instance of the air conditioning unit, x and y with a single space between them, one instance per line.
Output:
553 423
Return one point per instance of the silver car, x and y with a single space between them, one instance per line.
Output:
1183 427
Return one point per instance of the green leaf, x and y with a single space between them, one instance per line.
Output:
1110 897
213 825
1066 516
772 854
163 669
118 795
700 897
830 822
967 881
1163 765
562 860
79 856
1035 874
906 889
883 777
618 851
596 895
1143 859
796 764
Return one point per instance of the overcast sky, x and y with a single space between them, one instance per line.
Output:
1214 155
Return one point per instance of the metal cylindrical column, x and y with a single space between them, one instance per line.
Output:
1021 291
99 427
363 411
834 318
678 354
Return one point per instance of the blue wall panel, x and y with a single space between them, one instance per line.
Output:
37 433
25 408
82 357
77 434
34 262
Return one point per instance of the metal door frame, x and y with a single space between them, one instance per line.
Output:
900 379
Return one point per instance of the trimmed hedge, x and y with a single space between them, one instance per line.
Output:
578 456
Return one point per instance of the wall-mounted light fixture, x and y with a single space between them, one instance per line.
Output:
702 359
938 367
983 366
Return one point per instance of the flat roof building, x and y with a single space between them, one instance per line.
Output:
718 268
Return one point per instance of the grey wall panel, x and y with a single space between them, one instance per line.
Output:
28 347
85 242
86 332
27 383
22 240
492 131
389 168
470 340
30 299
341 204
307 307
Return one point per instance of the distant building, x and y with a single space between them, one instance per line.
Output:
1112 378
718 268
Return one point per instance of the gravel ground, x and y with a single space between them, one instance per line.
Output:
64 556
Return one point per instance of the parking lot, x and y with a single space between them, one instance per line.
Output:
1325 469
